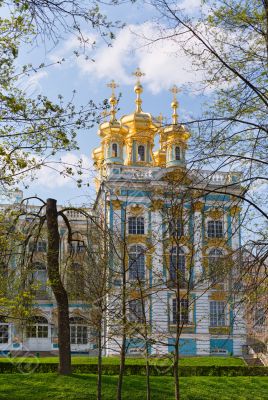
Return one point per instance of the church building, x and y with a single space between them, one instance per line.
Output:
172 236
176 235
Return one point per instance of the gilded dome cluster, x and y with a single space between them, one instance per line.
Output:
130 140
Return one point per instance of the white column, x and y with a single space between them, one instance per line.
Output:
197 226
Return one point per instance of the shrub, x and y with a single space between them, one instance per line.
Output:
135 369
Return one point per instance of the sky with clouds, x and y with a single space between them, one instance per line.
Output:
163 62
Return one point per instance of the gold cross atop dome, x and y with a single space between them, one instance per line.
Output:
138 89
112 85
113 101
138 74
174 90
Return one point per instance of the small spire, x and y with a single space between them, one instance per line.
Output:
104 114
160 118
113 101
174 90
138 89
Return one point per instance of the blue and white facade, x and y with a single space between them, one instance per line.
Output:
145 195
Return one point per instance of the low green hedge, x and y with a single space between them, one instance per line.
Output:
24 367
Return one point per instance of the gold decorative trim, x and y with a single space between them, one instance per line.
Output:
235 211
156 205
182 241
178 175
198 206
116 204
219 295
137 239
216 242
215 213
136 209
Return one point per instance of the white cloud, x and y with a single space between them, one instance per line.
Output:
32 85
164 61
190 6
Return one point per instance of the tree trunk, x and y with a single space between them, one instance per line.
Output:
99 365
148 385
58 288
124 321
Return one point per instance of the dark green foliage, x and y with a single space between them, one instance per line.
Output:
135 369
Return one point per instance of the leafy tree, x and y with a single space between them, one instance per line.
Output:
227 43
32 129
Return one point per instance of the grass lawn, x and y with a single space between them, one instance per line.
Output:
189 361
79 386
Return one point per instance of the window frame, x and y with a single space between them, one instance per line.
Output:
141 157
215 228
218 314
135 314
177 155
136 225
179 251
37 328
176 228
184 316
78 331
4 333
137 265
114 150
213 260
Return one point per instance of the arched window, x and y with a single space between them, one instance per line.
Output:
78 330
114 150
215 265
37 327
39 279
136 225
141 153
40 246
177 266
76 285
136 263
177 153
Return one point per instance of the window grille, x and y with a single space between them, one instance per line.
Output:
217 313
215 229
136 225
136 263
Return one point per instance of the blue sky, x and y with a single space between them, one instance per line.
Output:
164 64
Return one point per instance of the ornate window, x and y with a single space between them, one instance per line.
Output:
39 278
136 263
3 331
216 265
215 229
76 280
184 311
136 225
135 311
177 153
176 228
114 150
177 267
217 313
141 153
77 247
78 330
37 327
40 246
259 316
